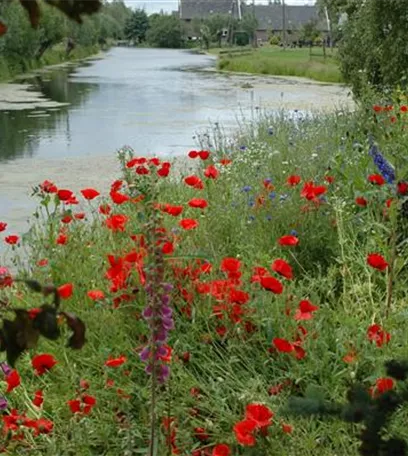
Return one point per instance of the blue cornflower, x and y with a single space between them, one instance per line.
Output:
267 180
247 188
251 218
272 195
251 203
383 165
294 233
242 148
269 218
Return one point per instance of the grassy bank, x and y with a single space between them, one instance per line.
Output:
12 68
276 61
286 215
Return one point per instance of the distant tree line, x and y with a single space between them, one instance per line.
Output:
160 30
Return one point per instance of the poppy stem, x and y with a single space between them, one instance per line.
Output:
390 284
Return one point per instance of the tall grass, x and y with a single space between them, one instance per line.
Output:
278 62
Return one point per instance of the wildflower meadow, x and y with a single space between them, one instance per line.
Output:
253 303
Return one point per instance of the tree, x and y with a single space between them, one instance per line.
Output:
249 25
373 47
310 32
164 31
136 26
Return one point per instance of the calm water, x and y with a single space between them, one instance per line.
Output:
153 100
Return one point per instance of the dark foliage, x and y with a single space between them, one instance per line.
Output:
23 332
373 412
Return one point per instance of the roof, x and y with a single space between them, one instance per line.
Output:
270 16
191 9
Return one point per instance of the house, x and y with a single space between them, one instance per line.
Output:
270 20
270 17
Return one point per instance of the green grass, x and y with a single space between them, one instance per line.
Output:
12 68
238 367
276 61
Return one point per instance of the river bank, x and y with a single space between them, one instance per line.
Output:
10 70
275 61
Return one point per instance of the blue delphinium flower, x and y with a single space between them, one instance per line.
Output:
383 165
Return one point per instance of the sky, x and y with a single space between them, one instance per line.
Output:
155 6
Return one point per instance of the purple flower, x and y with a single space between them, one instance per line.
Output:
3 403
5 368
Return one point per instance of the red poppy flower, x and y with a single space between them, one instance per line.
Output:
193 154
288 240
62 239
350 357
42 263
378 108
244 432
311 192
404 108
272 284
283 345
3 226
104 209
258 272
260 414
74 405
117 222
65 291
66 219
115 362
38 398
402 188
384 384
194 181
188 224
90 193
164 171
293 180
231 265
48 187
204 154
305 310
287 428
13 380
65 195
142 170
168 248
329 179
361 201
12 239
376 179
118 198
172 210
283 268
225 161
221 449
211 172
198 203
376 333
201 434
96 295
43 363
377 261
